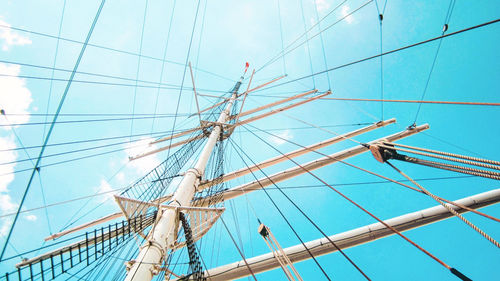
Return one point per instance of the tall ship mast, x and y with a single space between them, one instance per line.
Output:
313 140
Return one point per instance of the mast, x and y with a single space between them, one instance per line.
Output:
163 234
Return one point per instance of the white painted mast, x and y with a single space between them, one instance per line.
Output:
163 234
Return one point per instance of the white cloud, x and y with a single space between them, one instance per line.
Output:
281 137
120 177
15 97
4 227
10 38
31 217
103 187
345 11
144 164
6 204
322 5
6 171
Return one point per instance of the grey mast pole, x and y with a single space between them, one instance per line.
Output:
162 237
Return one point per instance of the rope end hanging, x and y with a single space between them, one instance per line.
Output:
459 274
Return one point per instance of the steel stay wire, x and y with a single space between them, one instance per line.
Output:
239 251
386 178
386 53
452 270
90 120
163 62
105 48
302 212
282 52
93 82
138 67
85 141
279 210
446 21
52 126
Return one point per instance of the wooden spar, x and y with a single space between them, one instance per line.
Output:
296 153
274 111
265 84
246 121
86 225
310 166
101 220
200 136
353 237
98 239
176 135
301 95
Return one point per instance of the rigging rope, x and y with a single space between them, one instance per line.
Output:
381 176
281 36
307 40
163 64
105 48
239 251
138 67
452 270
296 206
448 154
445 28
82 51
310 38
495 167
489 238
388 52
154 85
279 210
387 152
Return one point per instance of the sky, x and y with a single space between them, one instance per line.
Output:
226 35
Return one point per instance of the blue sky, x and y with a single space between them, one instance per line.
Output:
228 34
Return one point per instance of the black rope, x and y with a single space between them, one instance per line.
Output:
239 251
446 21
385 53
300 210
279 210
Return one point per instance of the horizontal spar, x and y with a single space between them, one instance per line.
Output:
243 122
352 238
310 166
298 96
420 101
293 154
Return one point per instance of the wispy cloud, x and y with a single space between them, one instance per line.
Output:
145 164
105 187
322 5
345 11
31 217
281 138
11 38
15 97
